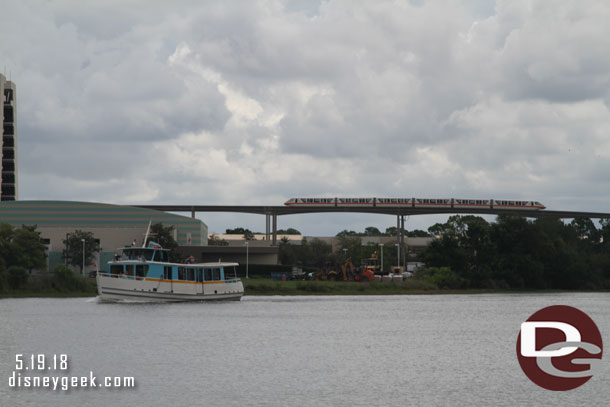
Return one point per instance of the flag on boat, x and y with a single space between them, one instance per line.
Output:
154 245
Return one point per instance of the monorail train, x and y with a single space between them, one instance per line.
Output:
451 203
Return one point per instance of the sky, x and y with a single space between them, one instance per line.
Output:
255 102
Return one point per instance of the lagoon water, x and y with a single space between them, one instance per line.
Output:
433 350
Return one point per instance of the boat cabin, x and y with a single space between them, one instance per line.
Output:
153 263
144 253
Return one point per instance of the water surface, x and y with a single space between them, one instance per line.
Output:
433 350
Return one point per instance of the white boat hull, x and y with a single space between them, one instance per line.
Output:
154 290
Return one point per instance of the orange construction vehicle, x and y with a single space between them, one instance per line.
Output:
371 264
345 272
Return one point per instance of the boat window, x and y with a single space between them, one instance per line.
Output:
199 275
139 254
215 274
141 270
191 274
181 273
160 256
208 274
230 273
167 273
116 269
129 269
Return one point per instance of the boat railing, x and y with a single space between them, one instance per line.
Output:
132 277
125 276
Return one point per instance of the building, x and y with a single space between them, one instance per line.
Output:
8 142
252 254
114 226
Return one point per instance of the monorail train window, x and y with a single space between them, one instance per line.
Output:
181 273
215 274
167 273
199 275
208 274
190 274
141 270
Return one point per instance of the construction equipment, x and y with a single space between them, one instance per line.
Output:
346 272
372 264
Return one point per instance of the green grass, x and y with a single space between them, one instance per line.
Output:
266 286
263 286
48 286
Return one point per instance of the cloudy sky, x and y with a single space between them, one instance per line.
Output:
255 102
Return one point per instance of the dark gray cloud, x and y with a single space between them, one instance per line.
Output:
256 102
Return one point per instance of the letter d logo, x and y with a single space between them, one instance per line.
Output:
528 338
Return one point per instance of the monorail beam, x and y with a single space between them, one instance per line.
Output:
285 210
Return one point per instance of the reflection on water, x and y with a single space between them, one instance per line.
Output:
292 351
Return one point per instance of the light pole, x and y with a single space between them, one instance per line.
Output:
381 268
344 253
398 255
247 260
83 269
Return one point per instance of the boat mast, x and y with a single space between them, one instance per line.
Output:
146 235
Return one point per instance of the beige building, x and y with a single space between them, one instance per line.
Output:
8 141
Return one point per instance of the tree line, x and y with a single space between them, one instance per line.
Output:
22 250
516 253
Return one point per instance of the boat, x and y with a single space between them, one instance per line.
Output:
144 274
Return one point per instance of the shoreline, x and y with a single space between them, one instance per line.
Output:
256 287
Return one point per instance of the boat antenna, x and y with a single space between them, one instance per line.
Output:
147 232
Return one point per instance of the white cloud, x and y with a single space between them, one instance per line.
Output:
256 102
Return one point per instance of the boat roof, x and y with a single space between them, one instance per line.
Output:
214 264
142 248
209 264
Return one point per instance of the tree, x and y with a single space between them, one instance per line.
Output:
164 235
248 235
372 231
21 247
391 231
289 231
346 232
605 231
73 251
214 240
286 252
585 229
418 233
31 250
320 251
353 249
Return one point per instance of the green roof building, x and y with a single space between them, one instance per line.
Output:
115 226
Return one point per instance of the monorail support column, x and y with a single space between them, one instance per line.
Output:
193 212
267 226
402 242
274 243
398 237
